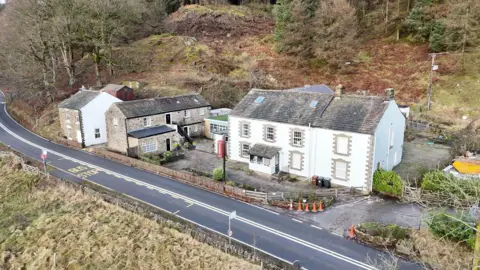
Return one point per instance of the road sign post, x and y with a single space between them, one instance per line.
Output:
44 158
230 217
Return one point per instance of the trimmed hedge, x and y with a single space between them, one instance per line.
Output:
442 225
388 182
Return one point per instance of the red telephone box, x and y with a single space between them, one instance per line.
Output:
221 148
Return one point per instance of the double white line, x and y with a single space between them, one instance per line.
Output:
206 206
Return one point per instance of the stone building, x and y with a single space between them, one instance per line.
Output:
154 125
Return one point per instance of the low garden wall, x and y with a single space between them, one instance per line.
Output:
198 181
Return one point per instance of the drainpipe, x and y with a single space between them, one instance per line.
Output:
310 151
126 135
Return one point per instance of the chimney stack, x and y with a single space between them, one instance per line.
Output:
339 90
390 93
83 88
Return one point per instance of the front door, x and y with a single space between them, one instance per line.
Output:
277 163
79 136
167 119
167 142
186 131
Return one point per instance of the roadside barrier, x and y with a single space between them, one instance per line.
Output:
314 208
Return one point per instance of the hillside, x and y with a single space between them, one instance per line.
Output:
54 226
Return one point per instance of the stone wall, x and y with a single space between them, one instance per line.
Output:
72 123
161 142
116 134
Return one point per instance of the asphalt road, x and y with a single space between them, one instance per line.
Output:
275 234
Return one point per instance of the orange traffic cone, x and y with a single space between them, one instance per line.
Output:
299 207
314 209
352 232
306 207
320 206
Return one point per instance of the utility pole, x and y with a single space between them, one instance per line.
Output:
429 93
224 160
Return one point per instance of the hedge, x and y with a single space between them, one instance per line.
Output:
387 182
438 181
443 225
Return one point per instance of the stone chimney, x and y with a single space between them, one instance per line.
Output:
390 93
339 89
83 88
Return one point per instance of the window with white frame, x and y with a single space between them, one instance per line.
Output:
245 129
147 121
269 134
67 117
297 138
194 128
296 161
97 133
149 146
266 162
202 111
115 121
342 145
187 113
245 150
77 118
341 170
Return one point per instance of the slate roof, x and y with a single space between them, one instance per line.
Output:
262 150
145 107
79 100
319 88
150 131
112 87
359 114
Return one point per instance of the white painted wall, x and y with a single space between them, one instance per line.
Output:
392 120
322 155
256 136
93 116
262 168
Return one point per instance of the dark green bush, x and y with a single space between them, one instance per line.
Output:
387 182
167 156
443 225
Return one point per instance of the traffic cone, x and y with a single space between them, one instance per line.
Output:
306 207
314 209
320 206
352 232
299 207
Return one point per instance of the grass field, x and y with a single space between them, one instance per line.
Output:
46 226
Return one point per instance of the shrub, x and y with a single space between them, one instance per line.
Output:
217 174
150 158
438 181
230 183
384 230
387 182
460 228
167 155
187 145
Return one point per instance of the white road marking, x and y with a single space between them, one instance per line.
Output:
204 205
190 204
176 212
296 220
337 234
316 227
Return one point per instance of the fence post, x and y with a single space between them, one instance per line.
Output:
336 193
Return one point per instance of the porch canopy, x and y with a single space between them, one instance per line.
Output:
150 131
262 150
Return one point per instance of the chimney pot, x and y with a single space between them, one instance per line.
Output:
390 93
339 90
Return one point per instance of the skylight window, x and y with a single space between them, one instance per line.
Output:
196 100
178 102
314 103
259 100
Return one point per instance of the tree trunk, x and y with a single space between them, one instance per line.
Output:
54 65
97 74
67 56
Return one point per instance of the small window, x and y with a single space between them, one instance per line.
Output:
194 128
266 162
67 116
187 113
297 138
341 170
202 111
342 145
245 150
259 99
97 133
269 133
245 129
115 121
259 160
296 161
392 138
147 121
149 146
77 118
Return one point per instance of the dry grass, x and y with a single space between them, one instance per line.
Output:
86 233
